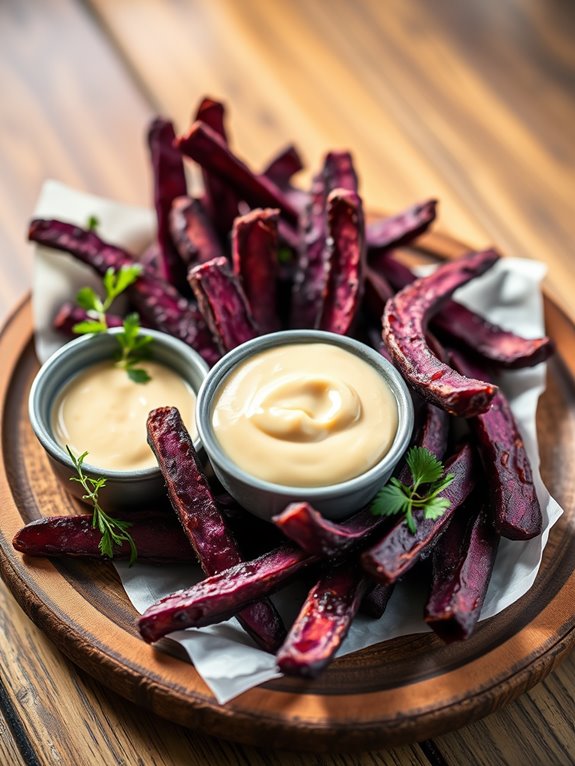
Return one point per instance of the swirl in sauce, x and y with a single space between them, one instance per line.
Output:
305 415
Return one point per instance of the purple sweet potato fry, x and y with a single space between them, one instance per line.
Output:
159 304
514 503
70 315
344 285
210 151
150 258
404 325
323 622
464 327
255 262
202 521
312 266
158 538
401 229
285 164
399 549
192 232
213 113
463 561
221 596
221 201
223 303
319 536
377 292
288 236
433 435
339 172
169 182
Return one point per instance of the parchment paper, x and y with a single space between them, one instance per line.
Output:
223 654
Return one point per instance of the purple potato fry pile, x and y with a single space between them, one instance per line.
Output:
250 254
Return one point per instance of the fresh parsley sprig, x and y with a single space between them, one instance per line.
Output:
133 344
428 481
114 531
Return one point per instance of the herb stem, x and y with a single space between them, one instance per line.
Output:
113 531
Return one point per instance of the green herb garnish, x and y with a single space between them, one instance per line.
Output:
113 530
428 481
133 344
92 223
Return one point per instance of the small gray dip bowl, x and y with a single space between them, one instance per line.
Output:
266 499
124 489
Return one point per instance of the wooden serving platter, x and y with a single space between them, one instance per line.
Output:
402 690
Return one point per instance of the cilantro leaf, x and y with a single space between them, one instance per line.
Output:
398 498
92 223
390 500
133 343
89 326
138 375
435 507
115 282
424 466
87 299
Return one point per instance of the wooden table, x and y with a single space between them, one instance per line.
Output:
473 103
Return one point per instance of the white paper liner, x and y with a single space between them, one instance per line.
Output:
225 657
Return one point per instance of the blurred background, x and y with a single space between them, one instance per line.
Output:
470 102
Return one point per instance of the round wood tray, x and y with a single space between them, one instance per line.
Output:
406 689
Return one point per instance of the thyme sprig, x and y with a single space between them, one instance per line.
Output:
114 531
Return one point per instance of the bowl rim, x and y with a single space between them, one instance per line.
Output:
223 368
42 429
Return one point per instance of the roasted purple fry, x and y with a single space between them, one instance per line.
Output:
404 325
514 503
339 172
401 229
346 261
221 596
400 549
319 536
377 292
210 151
311 272
202 521
464 327
223 303
192 232
311 277
169 182
462 565
158 303
283 166
221 201
323 622
255 262
157 536
433 435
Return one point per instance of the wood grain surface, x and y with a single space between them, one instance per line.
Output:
473 102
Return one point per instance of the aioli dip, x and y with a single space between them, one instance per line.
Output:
102 412
305 415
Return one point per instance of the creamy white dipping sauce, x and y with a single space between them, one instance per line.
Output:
305 415
102 412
